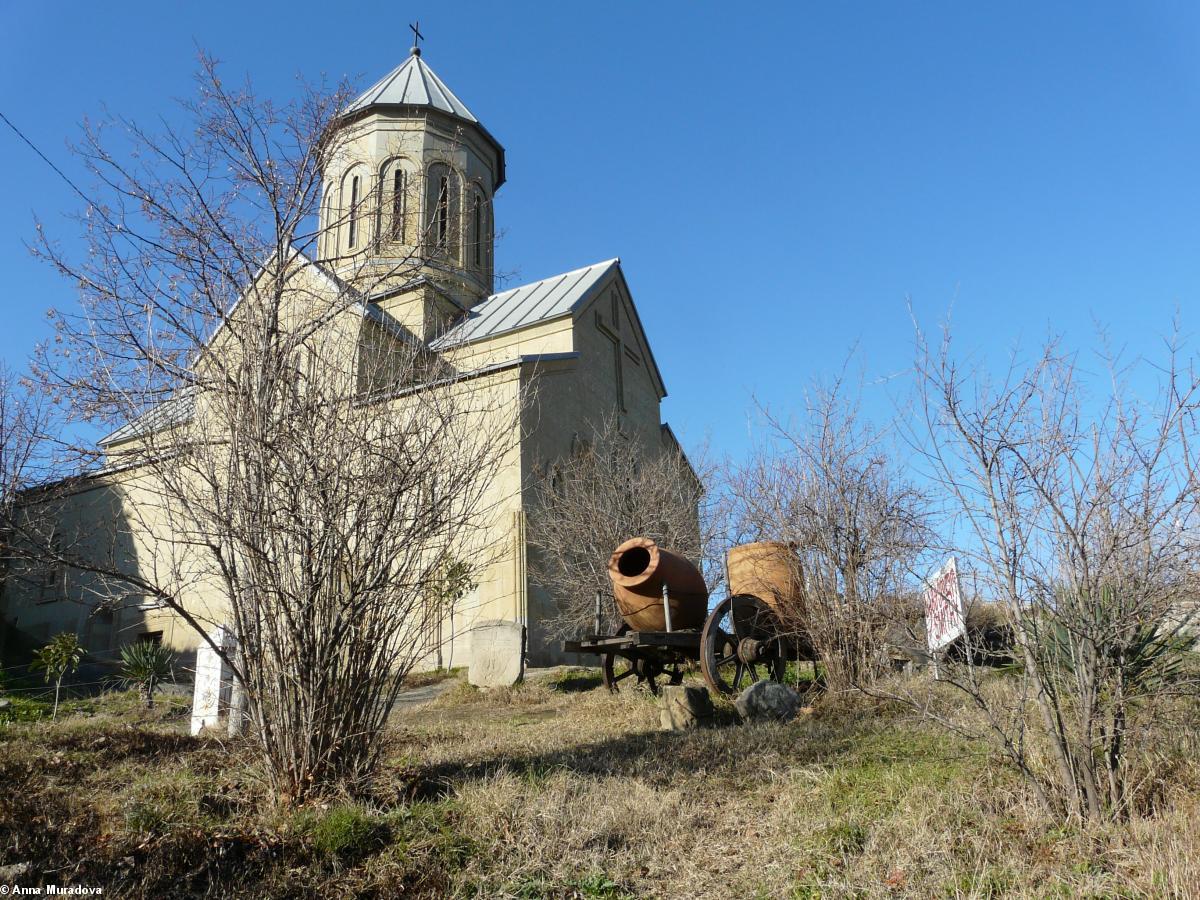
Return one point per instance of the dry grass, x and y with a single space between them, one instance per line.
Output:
431 676
553 789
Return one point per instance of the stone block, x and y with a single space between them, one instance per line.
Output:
768 701
497 653
682 707
210 694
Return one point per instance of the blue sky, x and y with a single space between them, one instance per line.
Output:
777 179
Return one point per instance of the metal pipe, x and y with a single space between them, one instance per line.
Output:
599 611
666 607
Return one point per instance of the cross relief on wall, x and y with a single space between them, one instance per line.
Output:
623 348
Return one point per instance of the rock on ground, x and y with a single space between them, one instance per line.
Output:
684 706
768 701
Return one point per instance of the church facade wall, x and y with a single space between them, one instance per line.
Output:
111 523
122 522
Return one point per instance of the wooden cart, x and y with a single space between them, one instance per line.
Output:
742 640
741 643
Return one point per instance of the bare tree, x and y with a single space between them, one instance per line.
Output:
26 431
833 488
26 420
296 462
612 488
1076 511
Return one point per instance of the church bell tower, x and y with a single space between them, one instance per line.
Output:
406 210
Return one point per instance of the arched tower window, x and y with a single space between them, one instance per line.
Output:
355 188
397 205
328 239
441 208
395 190
478 242
352 209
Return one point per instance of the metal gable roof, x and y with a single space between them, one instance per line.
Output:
529 304
412 83
175 410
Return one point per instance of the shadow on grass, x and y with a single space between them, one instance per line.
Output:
577 682
663 758
60 752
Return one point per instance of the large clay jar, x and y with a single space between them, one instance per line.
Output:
769 570
638 569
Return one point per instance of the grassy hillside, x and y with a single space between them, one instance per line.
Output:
556 789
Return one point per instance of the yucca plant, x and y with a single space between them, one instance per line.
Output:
146 665
58 658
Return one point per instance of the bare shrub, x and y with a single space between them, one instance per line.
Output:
831 487
611 489
1076 511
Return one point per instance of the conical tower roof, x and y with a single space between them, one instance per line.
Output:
414 83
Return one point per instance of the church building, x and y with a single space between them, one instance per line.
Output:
407 215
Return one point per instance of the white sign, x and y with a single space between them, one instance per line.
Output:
944 622
213 678
497 654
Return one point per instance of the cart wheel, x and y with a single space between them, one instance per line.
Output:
648 672
617 668
741 644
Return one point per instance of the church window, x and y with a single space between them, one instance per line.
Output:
398 190
353 240
442 211
477 238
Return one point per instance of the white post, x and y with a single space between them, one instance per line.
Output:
206 695
666 607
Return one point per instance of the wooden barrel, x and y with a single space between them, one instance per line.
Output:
638 569
769 570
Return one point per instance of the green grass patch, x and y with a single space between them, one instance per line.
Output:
161 802
430 830
845 838
882 767
419 835
989 882
345 833
23 708
802 674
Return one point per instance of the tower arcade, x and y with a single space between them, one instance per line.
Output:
406 212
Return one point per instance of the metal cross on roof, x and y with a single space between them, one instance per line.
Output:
415 28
